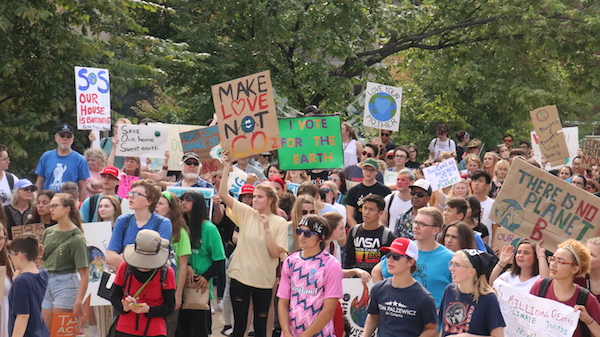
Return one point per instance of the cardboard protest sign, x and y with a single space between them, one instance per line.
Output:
548 128
591 153
36 229
125 185
65 325
3 277
442 175
389 177
382 106
311 143
537 205
571 135
247 115
92 88
142 141
174 142
355 303
503 237
97 237
205 143
206 192
529 315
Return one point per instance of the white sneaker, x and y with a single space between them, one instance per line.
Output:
212 310
228 332
219 306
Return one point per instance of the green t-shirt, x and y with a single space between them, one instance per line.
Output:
64 251
211 249
181 248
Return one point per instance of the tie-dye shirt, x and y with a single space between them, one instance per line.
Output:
307 283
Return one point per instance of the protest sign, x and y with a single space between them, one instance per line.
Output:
503 237
442 175
93 98
97 237
529 315
142 141
537 205
2 277
36 229
355 304
65 325
206 192
382 106
389 177
548 129
237 178
125 185
311 143
571 135
293 187
591 153
174 142
203 142
247 115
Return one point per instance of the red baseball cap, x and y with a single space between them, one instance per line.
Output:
403 246
246 189
112 171
279 181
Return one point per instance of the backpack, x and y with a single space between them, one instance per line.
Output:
581 299
388 206
384 238
11 180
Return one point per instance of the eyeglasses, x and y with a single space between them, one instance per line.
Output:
395 256
559 261
192 163
333 179
455 265
400 156
418 194
307 233
135 194
29 189
420 224
368 154
65 135
53 206
13 253
304 212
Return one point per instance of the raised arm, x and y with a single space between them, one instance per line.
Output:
223 192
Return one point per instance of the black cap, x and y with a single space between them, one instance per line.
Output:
483 262
65 128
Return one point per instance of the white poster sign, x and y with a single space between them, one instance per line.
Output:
442 175
530 315
92 88
382 106
97 237
206 192
355 304
389 178
142 141
237 178
174 142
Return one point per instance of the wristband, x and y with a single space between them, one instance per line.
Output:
267 232
590 322
500 266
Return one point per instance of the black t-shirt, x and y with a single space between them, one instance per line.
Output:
412 164
363 249
318 178
358 192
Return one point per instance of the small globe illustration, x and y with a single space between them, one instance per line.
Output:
92 78
97 261
509 214
382 106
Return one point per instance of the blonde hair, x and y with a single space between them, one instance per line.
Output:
270 192
96 153
480 284
474 158
501 164
463 181
297 215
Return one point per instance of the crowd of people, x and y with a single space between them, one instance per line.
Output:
277 258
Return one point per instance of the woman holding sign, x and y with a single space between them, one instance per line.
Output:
263 237
571 260
528 262
132 166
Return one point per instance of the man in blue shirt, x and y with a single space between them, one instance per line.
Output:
62 164
190 170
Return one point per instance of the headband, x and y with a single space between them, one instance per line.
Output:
167 195
482 262
314 225
572 250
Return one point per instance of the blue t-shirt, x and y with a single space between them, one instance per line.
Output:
402 311
460 313
122 237
432 271
57 169
25 298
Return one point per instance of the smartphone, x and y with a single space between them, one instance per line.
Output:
136 304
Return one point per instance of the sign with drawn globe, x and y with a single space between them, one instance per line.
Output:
382 106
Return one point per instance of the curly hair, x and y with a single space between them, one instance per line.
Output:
583 255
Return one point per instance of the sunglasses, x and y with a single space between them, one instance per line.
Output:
192 163
395 256
386 134
304 212
65 135
326 190
368 154
418 194
307 233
